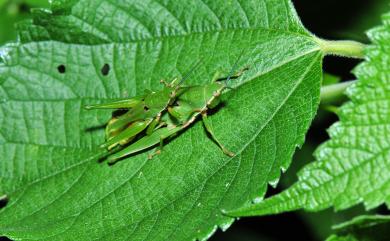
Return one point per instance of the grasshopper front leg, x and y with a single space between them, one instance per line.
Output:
158 151
153 125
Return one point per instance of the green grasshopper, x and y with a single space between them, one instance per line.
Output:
144 113
163 114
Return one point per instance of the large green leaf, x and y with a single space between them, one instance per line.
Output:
49 152
353 167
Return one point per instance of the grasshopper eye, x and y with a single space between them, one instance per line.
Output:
146 108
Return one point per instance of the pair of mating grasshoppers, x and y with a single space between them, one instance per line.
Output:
158 115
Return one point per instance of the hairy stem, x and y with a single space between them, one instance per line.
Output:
334 92
351 49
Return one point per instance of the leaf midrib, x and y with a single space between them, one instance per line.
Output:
187 35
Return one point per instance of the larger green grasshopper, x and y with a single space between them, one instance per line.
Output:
163 114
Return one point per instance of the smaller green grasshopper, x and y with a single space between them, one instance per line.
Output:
144 113
163 114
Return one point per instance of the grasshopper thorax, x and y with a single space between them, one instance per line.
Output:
157 102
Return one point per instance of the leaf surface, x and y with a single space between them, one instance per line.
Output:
49 167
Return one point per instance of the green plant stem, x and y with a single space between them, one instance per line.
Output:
334 92
350 49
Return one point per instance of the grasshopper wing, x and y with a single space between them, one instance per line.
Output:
118 124
127 135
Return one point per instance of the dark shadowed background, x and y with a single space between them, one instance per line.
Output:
330 19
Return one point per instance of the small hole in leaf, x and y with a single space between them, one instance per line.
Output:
146 108
61 69
105 69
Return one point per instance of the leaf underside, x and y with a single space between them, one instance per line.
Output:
49 167
354 166
367 228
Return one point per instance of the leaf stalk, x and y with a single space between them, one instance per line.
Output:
334 92
344 48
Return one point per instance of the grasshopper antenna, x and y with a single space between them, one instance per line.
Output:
234 68
197 64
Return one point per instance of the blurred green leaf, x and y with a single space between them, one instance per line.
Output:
330 79
13 11
2 3
363 228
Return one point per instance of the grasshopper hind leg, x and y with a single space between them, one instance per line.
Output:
211 132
